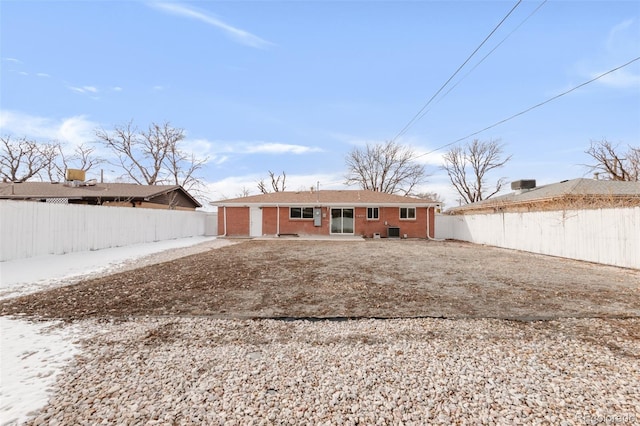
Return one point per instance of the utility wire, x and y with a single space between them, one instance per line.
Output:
531 108
418 114
487 55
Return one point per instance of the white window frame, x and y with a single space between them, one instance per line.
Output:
415 213
373 209
302 212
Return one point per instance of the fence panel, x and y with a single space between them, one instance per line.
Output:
30 229
609 236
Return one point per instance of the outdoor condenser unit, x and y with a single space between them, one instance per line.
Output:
75 174
523 184
393 232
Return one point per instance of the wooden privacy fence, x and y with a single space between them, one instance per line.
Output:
30 229
608 236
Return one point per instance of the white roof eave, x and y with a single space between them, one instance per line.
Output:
324 204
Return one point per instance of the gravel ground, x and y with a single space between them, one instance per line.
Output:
412 371
191 341
329 279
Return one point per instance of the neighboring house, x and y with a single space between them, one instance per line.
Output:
172 197
568 194
346 212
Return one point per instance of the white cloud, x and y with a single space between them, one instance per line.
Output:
219 159
76 130
14 60
116 89
618 34
429 157
622 39
278 148
200 147
251 147
232 186
42 74
239 35
203 149
73 130
157 88
621 79
220 152
84 89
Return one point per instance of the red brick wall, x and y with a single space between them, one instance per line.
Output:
270 221
303 226
391 215
238 222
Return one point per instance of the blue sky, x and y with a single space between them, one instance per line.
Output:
294 86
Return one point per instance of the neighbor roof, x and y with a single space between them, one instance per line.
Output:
106 191
326 197
588 188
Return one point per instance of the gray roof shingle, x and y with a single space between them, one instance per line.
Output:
43 190
573 187
324 197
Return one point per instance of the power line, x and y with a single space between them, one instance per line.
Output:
531 108
490 52
418 114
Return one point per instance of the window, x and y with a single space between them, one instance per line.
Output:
407 212
301 212
373 213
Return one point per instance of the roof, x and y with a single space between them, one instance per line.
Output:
576 188
109 191
350 198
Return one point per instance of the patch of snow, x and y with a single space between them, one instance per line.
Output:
33 353
32 356
23 276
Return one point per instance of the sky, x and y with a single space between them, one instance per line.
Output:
294 86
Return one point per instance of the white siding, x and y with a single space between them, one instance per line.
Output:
609 236
30 229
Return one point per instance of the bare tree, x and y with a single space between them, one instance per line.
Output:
614 164
140 154
277 183
23 158
467 167
82 158
154 156
182 168
387 167
244 192
433 196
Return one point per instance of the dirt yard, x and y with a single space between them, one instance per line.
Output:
348 279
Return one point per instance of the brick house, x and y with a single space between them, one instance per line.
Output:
327 212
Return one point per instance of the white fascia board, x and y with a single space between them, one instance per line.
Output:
325 204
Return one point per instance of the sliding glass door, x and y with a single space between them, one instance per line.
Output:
341 221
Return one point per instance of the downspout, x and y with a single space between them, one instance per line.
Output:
428 220
278 220
224 220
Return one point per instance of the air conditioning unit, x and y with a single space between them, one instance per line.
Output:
393 232
523 184
75 174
